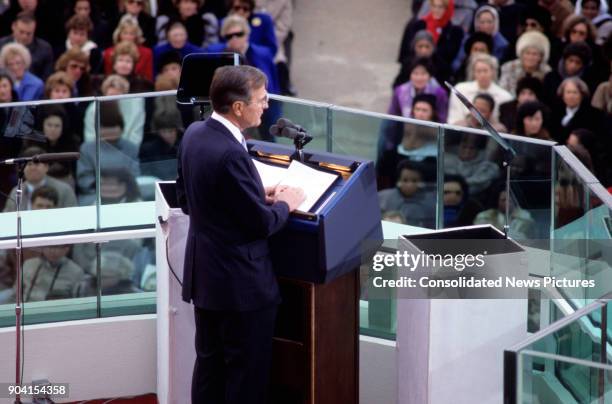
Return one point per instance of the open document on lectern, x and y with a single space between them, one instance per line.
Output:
313 182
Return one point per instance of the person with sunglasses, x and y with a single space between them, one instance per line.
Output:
261 24
235 34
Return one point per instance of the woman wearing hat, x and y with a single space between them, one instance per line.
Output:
533 50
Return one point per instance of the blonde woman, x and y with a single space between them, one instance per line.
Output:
482 74
16 59
128 30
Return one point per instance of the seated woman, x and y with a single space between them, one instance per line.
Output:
423 46
128 30
482 73
533 50
118 185
521 223
409 197
51 276
486 21
260 24
76 64
527 89
35 175
132 111
575 110
158 153
16 59
53 122
478 42
202 28
470 162
115 152
78 30
176 34
446 36
459 208
532 120
403 141
421 82
125 58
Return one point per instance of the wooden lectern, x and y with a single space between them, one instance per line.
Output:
317 256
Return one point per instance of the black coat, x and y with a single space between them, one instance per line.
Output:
586 117
227 259
446 48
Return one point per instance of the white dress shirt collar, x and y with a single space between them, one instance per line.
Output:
235 131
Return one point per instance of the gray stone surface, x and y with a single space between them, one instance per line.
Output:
344 51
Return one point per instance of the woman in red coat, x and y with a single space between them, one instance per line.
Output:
129 30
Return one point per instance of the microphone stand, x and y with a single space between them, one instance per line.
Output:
20 167
299 142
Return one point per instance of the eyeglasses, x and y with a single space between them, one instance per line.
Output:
241 8
264 101
235 34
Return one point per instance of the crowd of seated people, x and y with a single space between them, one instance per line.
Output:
534 68
60 49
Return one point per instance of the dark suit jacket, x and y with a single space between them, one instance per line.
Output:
227 262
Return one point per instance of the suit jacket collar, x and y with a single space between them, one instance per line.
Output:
219 127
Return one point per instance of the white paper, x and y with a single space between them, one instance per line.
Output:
270 175
313 182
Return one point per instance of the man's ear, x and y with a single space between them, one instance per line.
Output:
237 108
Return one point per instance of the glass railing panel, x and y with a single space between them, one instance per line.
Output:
573 225
128 276
311 116
125 193
556 379
59 283
405 154
579 339
475 178
598 253
27 130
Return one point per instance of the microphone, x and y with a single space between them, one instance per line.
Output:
294 133
286 123
284 127
44 158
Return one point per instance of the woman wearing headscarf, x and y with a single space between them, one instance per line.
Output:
446 36
486 20
533 50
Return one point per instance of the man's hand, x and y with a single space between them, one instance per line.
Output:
271 193
292 196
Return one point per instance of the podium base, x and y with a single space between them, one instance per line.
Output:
316 343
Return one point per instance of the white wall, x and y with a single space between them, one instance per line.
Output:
116 356
107 357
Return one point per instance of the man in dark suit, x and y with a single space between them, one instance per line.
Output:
228 272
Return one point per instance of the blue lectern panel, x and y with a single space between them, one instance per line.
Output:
328 243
